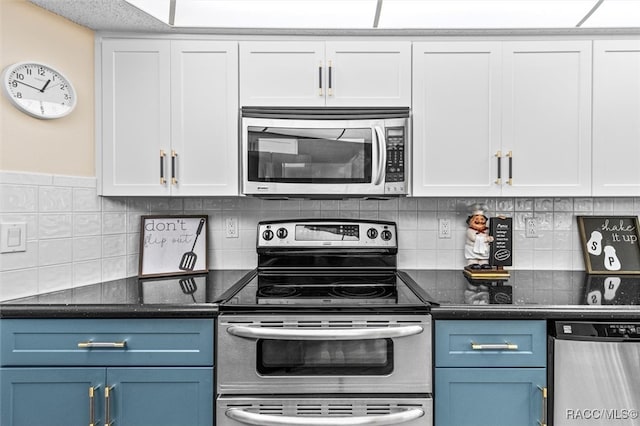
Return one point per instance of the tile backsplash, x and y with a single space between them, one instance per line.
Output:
75 238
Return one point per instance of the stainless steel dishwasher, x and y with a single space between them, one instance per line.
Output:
596 373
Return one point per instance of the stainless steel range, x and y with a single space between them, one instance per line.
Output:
325 331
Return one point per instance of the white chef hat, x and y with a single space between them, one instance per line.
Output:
476 209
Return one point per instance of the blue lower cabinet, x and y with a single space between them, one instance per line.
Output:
489 396
50 396
119 396
161 396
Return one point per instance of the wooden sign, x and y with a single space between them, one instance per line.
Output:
173 245
610 244
501 253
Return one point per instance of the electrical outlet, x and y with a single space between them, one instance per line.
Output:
530 227
444 228
231 227
13 237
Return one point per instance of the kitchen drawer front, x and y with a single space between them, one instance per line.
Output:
471 343
106 342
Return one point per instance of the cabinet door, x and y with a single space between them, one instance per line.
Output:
456 118
50 396
616 117
161 396
135 109
547 117
204 117
282 73
489 396
368 73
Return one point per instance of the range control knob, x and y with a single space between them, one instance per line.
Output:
281 233
267 234
372 233
386 235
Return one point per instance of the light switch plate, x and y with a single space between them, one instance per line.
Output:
13 237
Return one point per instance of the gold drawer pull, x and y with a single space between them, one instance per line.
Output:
506 346
102 345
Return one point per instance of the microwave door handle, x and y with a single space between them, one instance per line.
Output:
257 419
324 334
381 146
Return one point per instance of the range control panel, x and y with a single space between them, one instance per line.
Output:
327 233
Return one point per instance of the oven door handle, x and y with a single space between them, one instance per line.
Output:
257 419
324 334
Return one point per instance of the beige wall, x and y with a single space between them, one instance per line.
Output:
66 145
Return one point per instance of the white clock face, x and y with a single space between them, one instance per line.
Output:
38 90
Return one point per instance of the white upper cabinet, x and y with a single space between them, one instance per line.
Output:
616 118
168 118
546 118
502 118
204 117
456 125
307 73
135 112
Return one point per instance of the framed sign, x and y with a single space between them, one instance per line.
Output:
173 245
610 244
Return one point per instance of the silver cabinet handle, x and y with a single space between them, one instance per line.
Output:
324 334
102 345
249 418
382 155
506 346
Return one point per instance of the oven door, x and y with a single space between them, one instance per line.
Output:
287 156
267 411
303 354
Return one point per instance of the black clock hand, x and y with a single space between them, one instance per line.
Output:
28 85
45 85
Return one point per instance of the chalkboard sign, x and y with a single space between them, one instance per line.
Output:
610 244
173 245
501 229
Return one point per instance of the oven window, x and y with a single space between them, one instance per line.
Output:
288 155
325 358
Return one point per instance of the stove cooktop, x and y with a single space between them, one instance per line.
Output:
380 291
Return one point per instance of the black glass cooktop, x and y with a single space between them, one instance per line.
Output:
266 291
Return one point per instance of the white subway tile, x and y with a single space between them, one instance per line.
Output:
114 268
85 200
18 198
89 272
55 199
110 204
87 224
114 245
87 248
114 223
55 278
19 283
51 252
21 178
55 225
75 181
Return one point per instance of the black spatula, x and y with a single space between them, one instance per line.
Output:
188 261
189 286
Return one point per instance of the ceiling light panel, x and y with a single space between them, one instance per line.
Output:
331 14
615 14
483 14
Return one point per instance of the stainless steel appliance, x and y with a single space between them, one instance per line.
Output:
595 373
325 331
325 152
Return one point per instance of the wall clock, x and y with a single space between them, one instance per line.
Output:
38 90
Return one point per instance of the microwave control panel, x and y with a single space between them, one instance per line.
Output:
395 169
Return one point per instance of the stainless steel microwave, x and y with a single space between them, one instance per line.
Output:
325 152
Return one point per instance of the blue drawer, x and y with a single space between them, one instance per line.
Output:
501 343
106 342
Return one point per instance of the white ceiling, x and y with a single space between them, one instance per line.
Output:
370 16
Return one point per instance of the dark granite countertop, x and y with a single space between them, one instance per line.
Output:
524 295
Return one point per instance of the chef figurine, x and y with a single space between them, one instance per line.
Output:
476 248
